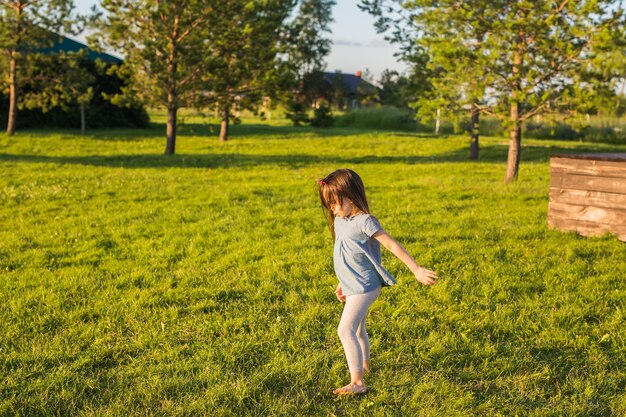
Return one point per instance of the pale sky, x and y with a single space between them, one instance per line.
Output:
356 45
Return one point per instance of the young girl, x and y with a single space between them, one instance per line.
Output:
358 237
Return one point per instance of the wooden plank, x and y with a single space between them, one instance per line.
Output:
587 228
609 216
562 179
589 167
593 156
591 198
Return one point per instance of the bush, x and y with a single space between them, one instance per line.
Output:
297 112
541 130
386 117
322 117
596 129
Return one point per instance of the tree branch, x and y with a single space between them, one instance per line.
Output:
538 109
192 26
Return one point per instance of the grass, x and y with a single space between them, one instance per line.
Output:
201 283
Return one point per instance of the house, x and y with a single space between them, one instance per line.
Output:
98 112
66 44
348 90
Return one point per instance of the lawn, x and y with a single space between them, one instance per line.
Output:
134 283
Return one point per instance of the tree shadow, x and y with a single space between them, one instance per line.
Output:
156 131
489 154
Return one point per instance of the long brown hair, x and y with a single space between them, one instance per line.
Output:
340 184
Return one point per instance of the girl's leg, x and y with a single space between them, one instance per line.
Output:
364 342
353 315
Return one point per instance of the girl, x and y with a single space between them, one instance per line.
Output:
358 236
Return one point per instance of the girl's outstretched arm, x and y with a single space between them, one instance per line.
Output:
423 275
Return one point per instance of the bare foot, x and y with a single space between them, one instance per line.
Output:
351 389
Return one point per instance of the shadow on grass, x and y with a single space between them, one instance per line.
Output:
156 131
489 154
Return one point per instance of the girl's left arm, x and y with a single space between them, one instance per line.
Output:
423 275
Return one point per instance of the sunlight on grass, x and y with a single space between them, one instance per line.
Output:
135 283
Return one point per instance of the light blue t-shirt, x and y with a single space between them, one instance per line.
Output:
357 255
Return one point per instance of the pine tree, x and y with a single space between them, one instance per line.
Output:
26 26
163 43
306 47
244 45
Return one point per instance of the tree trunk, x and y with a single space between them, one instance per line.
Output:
224 127
474 132
13 86
515 140
437 121
170 147
82 118
12 94
172 90
515 132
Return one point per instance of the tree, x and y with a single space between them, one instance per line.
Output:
58 80
306 47
516 59
338 92
366 93
164 47
25 27
244 45
396 88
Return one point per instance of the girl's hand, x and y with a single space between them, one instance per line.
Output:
426 276
339 294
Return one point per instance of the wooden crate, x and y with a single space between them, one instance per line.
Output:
588 194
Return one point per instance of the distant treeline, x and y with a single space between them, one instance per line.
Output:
586 129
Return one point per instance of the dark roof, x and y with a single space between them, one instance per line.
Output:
69 45
350 81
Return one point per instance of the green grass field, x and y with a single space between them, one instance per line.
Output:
133 283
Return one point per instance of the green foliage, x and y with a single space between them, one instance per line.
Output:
192 53
163 56
297 111
64 112
304 37
594 129
322 117
202 283
366 93
165 60
57 80
305 45
396 89
514 60
27 26
244 63
338 94
385 118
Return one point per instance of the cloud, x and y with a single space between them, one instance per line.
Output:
345 42
377 43
373 43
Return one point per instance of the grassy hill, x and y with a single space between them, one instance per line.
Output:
133 283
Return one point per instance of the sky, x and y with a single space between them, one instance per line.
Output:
356 45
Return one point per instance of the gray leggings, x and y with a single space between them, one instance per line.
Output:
352 331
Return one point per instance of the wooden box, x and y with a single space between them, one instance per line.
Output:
588 193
